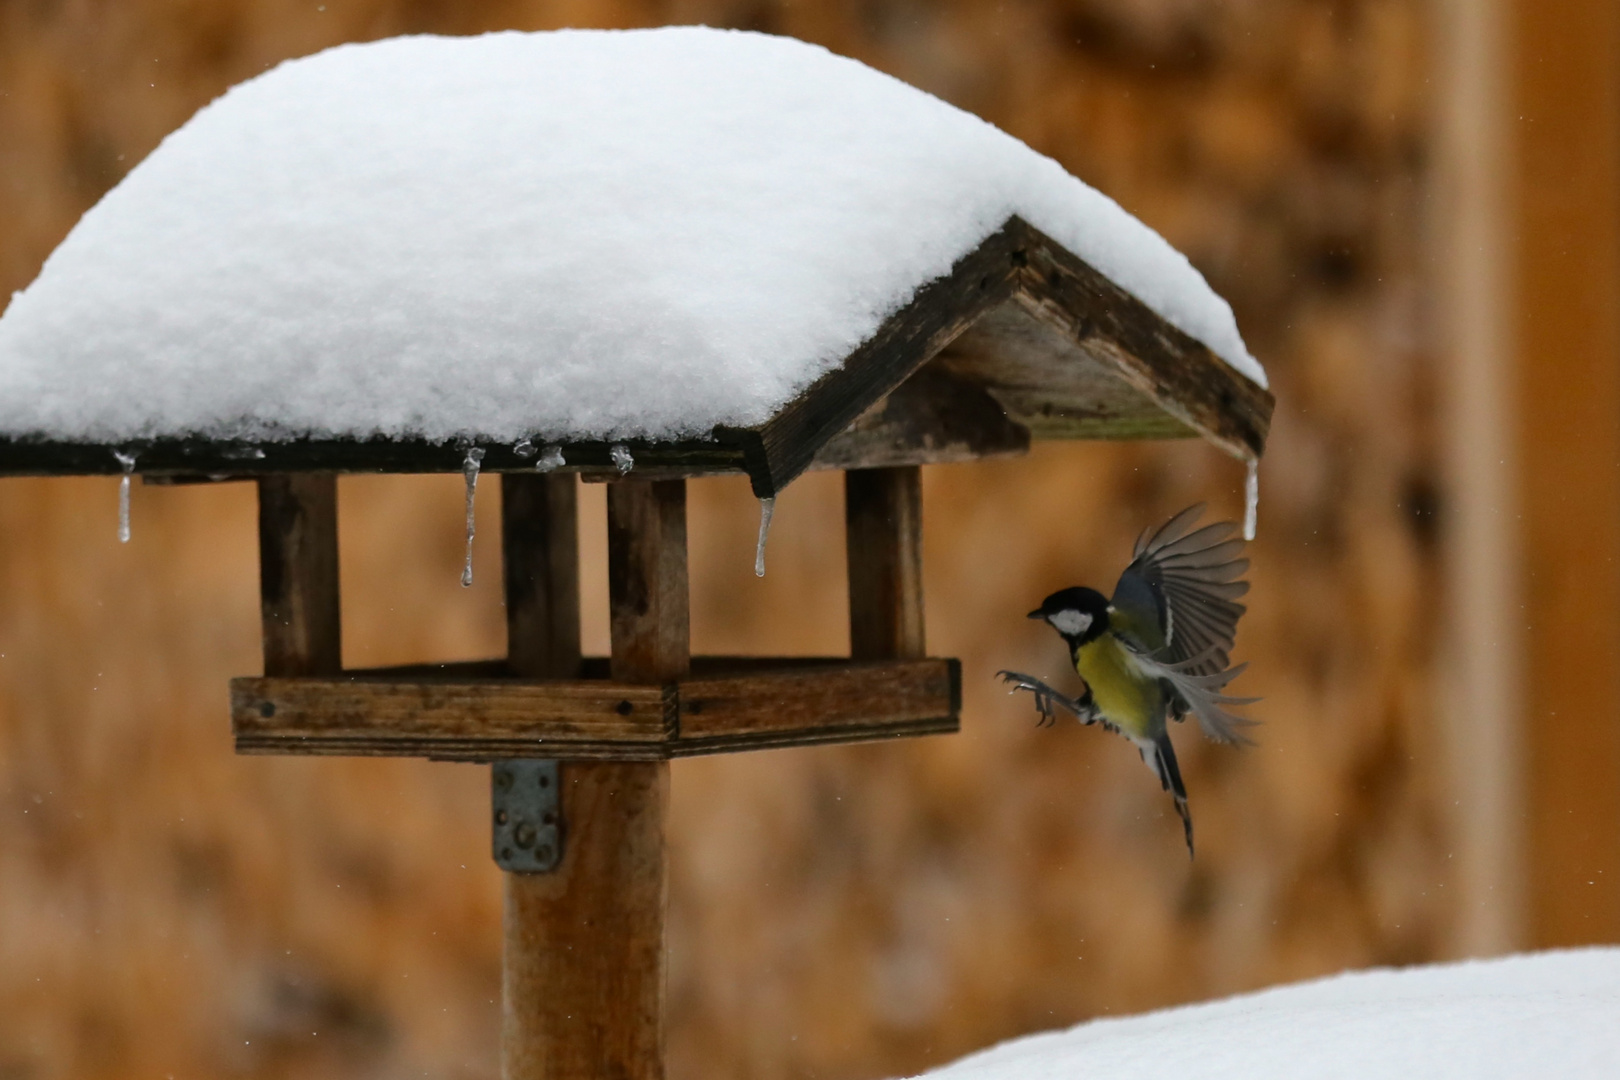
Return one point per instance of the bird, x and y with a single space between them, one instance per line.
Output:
1159 649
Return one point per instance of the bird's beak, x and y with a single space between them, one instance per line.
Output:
1037 614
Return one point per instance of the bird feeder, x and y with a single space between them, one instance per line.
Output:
1021 337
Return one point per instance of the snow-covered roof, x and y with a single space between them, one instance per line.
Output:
1540 1015
576 237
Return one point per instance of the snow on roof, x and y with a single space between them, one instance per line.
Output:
1548 1014
580 234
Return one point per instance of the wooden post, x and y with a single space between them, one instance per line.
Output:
647 580
883 537
584 969
540 553
298 574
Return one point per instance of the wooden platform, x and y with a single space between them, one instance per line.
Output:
473 712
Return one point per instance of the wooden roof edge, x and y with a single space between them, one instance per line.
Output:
1017 262
1181 374
240 458
784 446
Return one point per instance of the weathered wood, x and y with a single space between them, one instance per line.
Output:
540 553
647 582
835 704
298 574
582 985
584 969
1055 385
469 715
480 720
883 538
241 459
1174 369
932 418
783 447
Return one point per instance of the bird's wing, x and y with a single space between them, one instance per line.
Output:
1201 694
1178 597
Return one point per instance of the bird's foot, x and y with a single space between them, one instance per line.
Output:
1047 700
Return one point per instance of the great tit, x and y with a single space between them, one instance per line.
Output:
1158 650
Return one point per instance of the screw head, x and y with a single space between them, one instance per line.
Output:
267 709
525 835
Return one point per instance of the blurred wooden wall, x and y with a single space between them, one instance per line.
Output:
169 909
1563 64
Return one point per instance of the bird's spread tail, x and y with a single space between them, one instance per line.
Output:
1161 755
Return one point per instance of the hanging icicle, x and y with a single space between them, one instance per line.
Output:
127 462
622 460
469 469
766 508
1251 499
523 449
551 460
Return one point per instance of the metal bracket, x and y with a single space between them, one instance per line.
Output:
526 798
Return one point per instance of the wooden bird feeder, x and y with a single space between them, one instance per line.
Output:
1021 340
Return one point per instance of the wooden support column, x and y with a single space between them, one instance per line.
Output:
584 972
883 536
540 556
298 574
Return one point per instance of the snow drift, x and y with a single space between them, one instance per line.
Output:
1552 1014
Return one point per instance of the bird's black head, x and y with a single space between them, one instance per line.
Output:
1078 614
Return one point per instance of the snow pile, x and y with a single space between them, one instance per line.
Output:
1550 1014
583 234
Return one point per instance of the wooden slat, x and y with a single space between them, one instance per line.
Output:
883 539
298 574
234 459
747 704
842 703
467 721
540 553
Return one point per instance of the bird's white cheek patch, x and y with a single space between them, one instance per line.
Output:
1073 623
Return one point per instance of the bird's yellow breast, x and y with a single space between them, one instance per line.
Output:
1125 697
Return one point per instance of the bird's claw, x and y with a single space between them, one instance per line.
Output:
1047 700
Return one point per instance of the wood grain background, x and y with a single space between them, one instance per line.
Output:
169 909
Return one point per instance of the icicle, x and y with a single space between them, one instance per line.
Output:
524 449
469 469
766 508
128 463
1251 499
550 460
622 460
